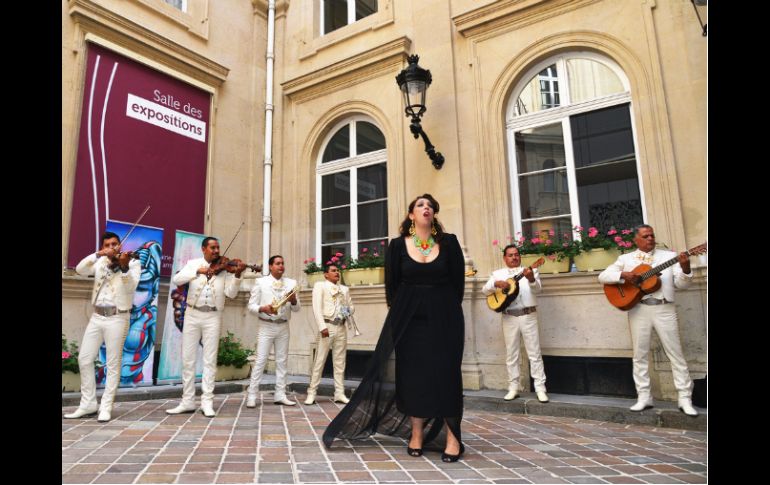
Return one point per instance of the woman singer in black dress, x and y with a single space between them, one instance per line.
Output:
425 328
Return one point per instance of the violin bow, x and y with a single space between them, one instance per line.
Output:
125 238
231 242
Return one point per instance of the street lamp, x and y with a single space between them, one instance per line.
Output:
413 82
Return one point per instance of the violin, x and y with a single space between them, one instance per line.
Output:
235 266
121 260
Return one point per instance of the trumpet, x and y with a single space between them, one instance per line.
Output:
352 326
279 303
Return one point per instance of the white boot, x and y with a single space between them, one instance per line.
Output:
79 413
208 410
180 409
104 415
341 398
642 403
251 401
685 405
512 393
541 396
310 398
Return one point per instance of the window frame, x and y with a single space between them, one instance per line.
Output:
561 114
351 16
350 164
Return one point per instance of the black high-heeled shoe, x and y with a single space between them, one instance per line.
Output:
447 458
414 451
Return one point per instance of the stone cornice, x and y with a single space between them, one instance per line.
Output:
136 38
508 14
347 72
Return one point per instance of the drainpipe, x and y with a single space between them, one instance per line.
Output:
268 162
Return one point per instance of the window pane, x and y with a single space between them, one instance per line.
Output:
536 145
542 229
180 4
372 182
608 184
544 195
339 145
368 138
542 92
372 220
602 136
335 189
335 225
328 251
365 8
589 79
335 14
377 246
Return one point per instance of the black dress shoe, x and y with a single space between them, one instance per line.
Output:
414 451
447 458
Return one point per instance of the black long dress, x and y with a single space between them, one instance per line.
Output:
425 329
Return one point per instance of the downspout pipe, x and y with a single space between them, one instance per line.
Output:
268 161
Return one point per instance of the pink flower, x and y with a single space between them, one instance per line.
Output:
550 232
521 239
65 355
611 232
535 240
618 239
339 255
335 259
376 253
565 244
593 232
548 241
626 231
494 243
304 262
328 263
344 266
311 259
578 228
365 250
382 243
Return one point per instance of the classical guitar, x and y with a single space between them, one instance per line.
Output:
500 300
626 295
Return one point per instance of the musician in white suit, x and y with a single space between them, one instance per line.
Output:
331 308
202 321
655 311
520 321
115 281
273 329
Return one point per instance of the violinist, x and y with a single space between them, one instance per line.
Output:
210 279
116 276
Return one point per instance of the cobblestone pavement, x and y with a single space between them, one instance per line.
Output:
280 444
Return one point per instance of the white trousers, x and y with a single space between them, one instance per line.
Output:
514 328
663 319
112 331
338 342
270 334
199 326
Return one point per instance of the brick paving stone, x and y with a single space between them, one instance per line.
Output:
282 445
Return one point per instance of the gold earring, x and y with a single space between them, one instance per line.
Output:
433 228
412 230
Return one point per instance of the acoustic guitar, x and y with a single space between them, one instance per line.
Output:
626 295
500 300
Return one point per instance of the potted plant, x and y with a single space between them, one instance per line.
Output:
314 272
70 370
598 250
557 254
232 358
368 269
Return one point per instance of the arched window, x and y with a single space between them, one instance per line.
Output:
573 157
352 155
